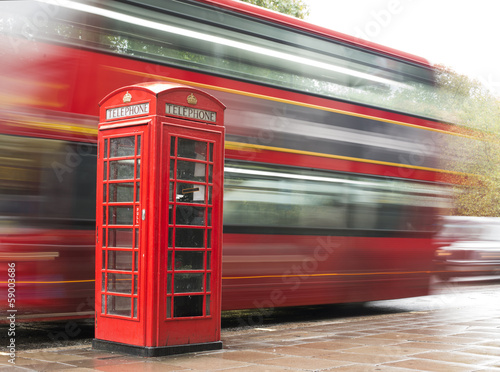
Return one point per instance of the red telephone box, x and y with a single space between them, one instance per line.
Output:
159 220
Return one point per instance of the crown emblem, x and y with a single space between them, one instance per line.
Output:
127 97
192 99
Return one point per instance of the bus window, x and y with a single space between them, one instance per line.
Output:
285 197
47 182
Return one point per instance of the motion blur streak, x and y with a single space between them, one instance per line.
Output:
28 256
335 164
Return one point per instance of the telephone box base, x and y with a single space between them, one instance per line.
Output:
144 351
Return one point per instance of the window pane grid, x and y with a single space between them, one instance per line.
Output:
120 240
188 279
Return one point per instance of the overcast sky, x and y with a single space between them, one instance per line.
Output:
462 34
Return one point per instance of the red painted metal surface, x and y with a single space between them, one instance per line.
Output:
159 247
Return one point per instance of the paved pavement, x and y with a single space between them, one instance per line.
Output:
463 334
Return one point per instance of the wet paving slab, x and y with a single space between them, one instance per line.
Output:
461 336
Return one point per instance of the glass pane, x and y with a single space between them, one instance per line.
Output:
136 242
120 238
105 193
211 152
120 260
137 192
124 146
169 283
207 305
172 146
103 304
135 307
136 261
189 260
105 171
190 193
136 284
138 145
188 306
169 260
188 148
170 214
121 192
193 238
172 169
119 305
138 169
105 149
208 282
210 172
103 282
171 192
188 215
170 235
121 215
119 283
104 220
169 307
209 260
209 238
121 170
187 283
190 171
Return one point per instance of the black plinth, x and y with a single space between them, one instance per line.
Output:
154 351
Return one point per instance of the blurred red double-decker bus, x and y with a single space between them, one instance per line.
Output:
332 173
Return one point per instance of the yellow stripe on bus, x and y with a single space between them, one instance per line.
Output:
230 145
326 274
259 276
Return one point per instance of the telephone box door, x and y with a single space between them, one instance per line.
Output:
120 239
192 169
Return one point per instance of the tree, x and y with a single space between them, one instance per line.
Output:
295 8
475 150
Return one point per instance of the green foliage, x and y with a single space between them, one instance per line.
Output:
295 8
476 150
466 101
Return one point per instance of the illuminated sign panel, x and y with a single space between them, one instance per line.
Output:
190 112
127 111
